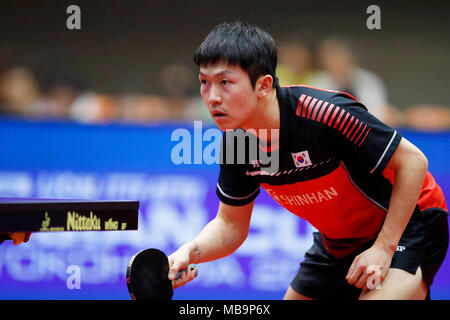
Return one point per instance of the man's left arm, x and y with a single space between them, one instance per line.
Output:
410 167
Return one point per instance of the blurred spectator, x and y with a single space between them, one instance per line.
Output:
340 72
137 108
90 107
196 109
180 89
65 95
393 117
18 92
60 87
295 66
428 117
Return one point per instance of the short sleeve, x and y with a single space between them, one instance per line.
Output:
359 137
234 186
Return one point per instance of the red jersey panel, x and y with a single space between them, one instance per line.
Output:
332 204
431 195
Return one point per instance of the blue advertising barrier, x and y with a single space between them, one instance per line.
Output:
129 162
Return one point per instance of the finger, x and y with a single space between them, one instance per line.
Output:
362 281
192 273
180 281
176 284
17 237
352 267
173 270
185 277
189 271
374 278
356 274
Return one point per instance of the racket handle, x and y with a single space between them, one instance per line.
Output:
191 266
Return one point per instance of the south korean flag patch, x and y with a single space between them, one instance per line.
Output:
301 159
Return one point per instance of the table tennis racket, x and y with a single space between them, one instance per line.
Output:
147 276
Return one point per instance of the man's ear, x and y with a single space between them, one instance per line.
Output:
264 85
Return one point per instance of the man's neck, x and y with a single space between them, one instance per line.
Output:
267 122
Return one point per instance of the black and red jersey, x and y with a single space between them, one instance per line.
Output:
332 171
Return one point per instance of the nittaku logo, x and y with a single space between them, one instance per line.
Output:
401 248
301 159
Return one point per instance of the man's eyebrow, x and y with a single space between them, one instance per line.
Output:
217 74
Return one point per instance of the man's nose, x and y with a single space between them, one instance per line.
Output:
214 96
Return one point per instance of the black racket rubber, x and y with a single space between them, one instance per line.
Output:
147 276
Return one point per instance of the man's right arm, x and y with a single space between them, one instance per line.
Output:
219 238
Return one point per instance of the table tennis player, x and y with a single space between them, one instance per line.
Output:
365 188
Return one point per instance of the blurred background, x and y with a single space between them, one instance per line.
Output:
90 113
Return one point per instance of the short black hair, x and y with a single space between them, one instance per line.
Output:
237 43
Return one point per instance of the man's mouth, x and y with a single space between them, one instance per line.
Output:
218 114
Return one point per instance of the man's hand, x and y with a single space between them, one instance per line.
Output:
19 237
180 260
218 239
373 263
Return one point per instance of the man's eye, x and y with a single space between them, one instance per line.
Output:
203 81
225 82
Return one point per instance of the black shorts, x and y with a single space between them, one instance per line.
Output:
424 243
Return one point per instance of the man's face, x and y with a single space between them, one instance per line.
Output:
229 95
